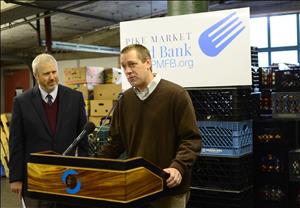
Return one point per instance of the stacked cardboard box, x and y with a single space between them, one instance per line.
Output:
100 87
4 130
83 79
104 96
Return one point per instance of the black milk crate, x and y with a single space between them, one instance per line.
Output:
294 195
271 195
286 104
266 103
215 198
274 131
271 161
254 56
294 165
255 78
287 80
267 77
255 104
226 138
221 103
223 173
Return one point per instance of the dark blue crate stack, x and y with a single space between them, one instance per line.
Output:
222 175
276 132
226 138
223 169
272 141
286 95
224 122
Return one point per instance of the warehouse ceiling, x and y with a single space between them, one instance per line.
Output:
88 22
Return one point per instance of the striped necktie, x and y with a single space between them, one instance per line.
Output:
49 99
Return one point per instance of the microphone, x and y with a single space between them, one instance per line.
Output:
120 96
87 129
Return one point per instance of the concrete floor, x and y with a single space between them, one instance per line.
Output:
8 199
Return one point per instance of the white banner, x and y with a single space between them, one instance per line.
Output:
210 49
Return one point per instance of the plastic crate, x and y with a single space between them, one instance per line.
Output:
221 104
271 162
286 104
215 198
226 138
223 173
287 80
255 78
267 77
255 105
271 195
294 195
294 165
265 103
277 132
2 172
98 139
254 56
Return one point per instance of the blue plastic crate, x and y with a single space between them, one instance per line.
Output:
2 173
226 138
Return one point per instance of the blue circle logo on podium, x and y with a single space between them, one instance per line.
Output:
70 180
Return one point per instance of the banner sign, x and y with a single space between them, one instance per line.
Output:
210 49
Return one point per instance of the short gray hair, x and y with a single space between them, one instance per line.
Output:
42 58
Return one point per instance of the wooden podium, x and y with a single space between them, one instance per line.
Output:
94 181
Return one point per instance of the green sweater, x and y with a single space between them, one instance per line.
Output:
162 129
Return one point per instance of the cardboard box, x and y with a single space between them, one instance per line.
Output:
95 119
112 76
100 107
83 75
107 91
87 107
81 88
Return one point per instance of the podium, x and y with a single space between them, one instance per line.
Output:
94 182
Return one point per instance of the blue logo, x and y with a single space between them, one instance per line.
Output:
213 40
70 180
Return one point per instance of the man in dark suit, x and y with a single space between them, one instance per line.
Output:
47 117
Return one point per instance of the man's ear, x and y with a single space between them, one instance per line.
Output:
35 76
149 63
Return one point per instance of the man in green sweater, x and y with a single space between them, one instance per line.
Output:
155 119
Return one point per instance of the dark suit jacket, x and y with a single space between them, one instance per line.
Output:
30 132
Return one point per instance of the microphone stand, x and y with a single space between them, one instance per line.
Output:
111 110
102 124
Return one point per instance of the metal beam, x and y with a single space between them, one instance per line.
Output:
12 25
65 11
83 47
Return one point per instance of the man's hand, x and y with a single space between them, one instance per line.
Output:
174 178
16 187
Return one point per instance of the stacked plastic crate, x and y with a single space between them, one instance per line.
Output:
276 132
294 173
222 174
